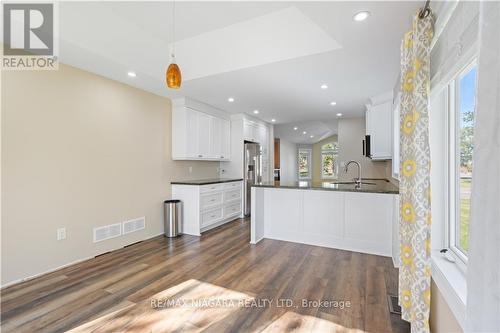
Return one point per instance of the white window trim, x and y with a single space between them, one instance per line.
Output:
326 151
450 278
452 183
452 283
309 160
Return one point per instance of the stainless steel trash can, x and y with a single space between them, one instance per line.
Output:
172 211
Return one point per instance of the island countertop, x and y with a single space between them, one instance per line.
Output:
371 186
198 182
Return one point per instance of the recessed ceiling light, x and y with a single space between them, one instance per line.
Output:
131 74
230 99
295 128
304 132
333 103
361 16
256 111
273 120
312 136
324 86
339 114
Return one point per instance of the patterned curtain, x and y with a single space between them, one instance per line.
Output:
415 191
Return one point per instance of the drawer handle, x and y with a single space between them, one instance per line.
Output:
212 200
200 155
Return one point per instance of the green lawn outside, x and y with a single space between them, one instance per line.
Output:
465 190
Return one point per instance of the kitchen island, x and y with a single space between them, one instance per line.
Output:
331 214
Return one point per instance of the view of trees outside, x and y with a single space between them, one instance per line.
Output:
304 156
466 146
328 160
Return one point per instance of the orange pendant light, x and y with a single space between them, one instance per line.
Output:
173 75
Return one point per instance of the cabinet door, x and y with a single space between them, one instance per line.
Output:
216 138
250 131
225 139
191 133
204 141
380 127
368 122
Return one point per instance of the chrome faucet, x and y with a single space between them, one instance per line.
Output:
357 181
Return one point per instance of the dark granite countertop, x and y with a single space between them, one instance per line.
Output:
206 181
371 186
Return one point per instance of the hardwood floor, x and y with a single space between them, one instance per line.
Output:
220 283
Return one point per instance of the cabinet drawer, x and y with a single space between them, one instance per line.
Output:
232 209
209 200
211 216
230 195
232 185
211 188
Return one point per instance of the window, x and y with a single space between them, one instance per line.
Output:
462 103
304 163
329 167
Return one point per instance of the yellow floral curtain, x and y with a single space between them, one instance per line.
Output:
415 192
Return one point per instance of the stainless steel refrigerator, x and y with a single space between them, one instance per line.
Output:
252 172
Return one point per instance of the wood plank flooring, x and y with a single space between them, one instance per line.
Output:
216 283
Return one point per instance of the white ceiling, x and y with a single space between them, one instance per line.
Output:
270 56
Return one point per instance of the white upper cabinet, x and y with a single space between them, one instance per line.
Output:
379 127
198 135
251 131
205 135
226 139
188 118
220 145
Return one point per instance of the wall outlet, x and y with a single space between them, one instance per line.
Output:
61 234
190 169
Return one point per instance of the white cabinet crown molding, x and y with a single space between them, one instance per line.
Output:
200 106
381 98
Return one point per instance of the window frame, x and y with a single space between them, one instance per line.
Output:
334 152
453 164
308 151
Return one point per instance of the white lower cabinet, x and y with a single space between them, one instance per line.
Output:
353 221
208 206
211 216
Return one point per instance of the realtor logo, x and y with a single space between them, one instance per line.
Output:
29 36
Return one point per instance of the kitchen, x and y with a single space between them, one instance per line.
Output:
321 210
250 151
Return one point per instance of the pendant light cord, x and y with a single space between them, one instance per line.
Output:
173 29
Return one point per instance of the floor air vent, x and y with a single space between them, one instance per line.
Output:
134 225
107 232
393 304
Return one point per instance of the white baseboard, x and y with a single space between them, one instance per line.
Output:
31 277
395 262
258 240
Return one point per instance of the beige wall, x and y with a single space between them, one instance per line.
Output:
351 132
442 319
316 157
79 151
